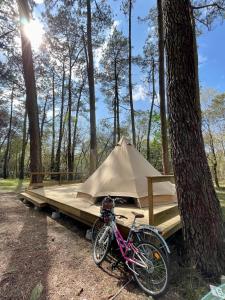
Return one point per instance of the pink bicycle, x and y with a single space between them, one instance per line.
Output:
146 261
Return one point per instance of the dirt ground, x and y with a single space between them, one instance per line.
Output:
37 250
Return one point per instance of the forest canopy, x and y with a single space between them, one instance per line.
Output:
97 77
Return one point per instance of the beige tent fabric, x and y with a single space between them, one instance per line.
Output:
124 173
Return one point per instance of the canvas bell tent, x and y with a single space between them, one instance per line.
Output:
124 174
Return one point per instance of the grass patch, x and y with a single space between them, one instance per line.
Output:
8 182
13 185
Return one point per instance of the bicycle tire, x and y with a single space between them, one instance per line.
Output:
98 224
150 236
101 247
147 279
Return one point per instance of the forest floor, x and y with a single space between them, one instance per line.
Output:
52 258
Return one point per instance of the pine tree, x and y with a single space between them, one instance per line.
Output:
198 203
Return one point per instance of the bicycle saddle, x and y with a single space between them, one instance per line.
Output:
137 215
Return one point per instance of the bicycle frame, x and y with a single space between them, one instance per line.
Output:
125 246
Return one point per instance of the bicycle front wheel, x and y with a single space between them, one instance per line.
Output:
101 244
98 224
154 277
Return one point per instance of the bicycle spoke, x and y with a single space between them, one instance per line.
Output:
154 278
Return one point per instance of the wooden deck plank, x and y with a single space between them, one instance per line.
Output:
35 200
64 199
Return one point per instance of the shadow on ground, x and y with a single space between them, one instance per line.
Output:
29 262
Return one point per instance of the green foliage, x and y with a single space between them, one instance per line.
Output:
114 67
13 185
218 108
36 292
213 122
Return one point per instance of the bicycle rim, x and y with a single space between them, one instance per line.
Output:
154 278
148 235
101 245
98 224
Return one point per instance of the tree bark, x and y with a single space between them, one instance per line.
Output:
16 162
195 46
75 123
2 143
24 144
199 207
130 75
151 111
116 133
53 124
91 83
31 99
6 155
69 149
164 135
117 110
114 121
43 118
58 152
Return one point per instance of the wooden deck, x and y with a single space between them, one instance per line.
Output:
63 198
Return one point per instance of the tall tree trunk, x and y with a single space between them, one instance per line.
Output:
198 203
130 75
195 46
69 149
104 149
16 163
31 99
151 110
6 155
114 121
164 136
214 158
118 117
58 152
43 118
2 143
53 123
117 107
75 124
24 144
91 82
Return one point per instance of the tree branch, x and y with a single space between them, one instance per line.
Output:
215 4
6 33
201 21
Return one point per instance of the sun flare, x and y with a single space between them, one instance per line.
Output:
34 31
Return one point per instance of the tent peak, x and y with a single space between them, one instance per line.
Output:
124 141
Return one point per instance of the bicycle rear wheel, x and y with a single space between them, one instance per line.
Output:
150 236
152 279
102 244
